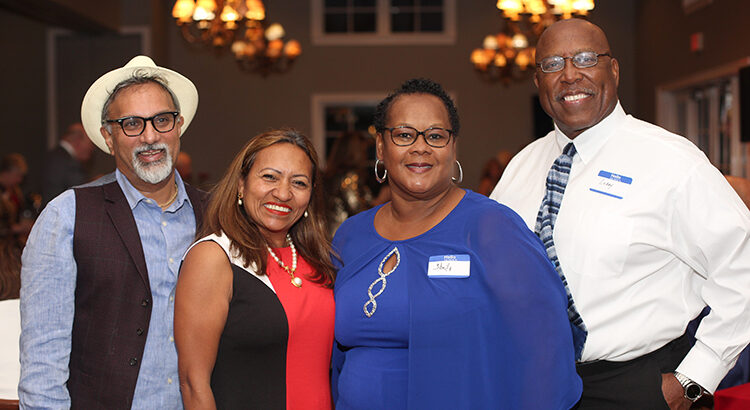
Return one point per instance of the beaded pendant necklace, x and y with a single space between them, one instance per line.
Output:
296 281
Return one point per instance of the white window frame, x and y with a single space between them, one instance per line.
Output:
318 105
383 34
667 96
52 35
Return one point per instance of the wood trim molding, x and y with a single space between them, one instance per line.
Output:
706 76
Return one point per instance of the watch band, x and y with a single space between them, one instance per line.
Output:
692 390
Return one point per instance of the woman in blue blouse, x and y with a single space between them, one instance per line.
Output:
444 299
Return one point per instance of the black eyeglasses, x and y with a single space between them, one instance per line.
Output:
584 59
434 136
134 126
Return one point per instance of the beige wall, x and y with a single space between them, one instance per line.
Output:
235 105
23 84
103 12
662 36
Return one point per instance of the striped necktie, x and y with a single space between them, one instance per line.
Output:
557 180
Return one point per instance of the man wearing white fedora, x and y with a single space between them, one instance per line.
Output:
101 263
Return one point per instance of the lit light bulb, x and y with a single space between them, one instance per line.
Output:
183 10
204 10
255 10
228 14
519 41
274 32
500 60
292 49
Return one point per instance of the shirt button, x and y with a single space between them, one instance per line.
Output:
144 303
171 338
171 260
133 361
169 380
139 331
171 298
163 223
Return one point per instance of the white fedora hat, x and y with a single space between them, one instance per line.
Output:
93 102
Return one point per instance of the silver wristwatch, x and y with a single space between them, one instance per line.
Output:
693 390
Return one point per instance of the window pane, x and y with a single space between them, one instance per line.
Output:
402 22
335 23
364 22
336 118
365 18
364 115
431 22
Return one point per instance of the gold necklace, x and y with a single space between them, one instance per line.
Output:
171 199
296 281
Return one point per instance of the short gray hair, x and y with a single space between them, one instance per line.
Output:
138 78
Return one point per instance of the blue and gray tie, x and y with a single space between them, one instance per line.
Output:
557 180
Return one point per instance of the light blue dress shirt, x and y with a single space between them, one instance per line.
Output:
47 298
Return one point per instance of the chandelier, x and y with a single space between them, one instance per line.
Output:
508 55
239 25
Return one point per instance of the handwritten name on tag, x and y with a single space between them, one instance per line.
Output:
611 184
449 266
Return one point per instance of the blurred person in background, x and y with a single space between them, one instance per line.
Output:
13 230
184 165
345 180
10 318
64 166
15 216
492 172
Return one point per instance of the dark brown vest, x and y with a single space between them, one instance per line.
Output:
112 297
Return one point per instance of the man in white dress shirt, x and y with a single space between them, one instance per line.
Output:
648 233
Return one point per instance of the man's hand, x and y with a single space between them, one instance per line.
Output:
673 392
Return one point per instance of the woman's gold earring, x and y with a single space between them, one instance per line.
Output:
239 199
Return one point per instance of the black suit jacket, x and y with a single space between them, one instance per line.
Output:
61 171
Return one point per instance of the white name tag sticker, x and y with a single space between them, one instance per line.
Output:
611 184
449 266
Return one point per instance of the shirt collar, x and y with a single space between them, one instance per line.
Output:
589 142
135 196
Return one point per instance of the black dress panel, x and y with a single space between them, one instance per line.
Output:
250 369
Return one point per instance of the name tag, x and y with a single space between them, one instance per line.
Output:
611 184
449 266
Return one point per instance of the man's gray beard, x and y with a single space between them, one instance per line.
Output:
153 172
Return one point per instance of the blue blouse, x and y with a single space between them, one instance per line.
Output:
497 338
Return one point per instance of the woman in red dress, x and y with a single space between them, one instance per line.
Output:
254 309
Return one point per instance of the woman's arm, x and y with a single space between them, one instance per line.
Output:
532 308
202 297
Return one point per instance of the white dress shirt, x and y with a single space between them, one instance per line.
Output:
648 233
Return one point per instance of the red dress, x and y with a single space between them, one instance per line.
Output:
275 349
310 314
